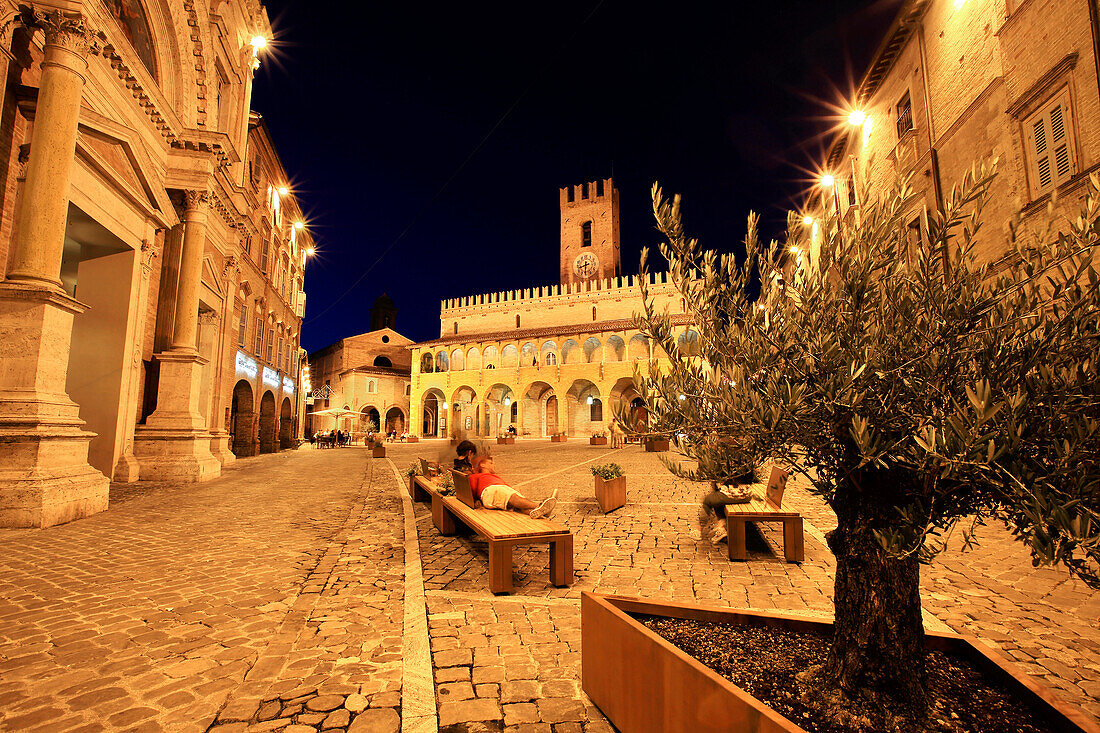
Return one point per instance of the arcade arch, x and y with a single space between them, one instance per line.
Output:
286 424
242 420
571 352
395 420
433 417
579 400
638 347
538 410
268 441
458 360
593 350
473 358
615 349
509 357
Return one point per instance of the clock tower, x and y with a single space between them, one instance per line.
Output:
589 232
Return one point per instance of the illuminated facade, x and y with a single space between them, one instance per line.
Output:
143 240
549 360
958 82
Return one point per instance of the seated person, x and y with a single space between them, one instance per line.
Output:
467 452
491 491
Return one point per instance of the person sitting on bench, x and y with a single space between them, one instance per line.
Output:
467 452
493 493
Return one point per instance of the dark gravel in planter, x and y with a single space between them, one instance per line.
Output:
764 662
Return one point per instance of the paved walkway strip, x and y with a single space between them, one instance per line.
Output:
418 714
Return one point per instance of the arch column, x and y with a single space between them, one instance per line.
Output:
45 477
174 444
227 344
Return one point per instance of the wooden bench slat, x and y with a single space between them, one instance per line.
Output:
501 523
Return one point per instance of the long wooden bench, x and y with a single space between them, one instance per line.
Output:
502 530
768 509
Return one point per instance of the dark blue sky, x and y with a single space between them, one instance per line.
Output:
428 142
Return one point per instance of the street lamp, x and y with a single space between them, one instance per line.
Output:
856 117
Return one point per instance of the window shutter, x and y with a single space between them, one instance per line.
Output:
1050 134
1059 143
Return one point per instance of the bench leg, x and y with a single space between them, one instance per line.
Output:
500 567
735 537
561 561
793 546
444 520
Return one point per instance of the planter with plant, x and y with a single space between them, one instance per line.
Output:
610 486
558 438
506 439
913 390
412 439
656 443
598 439
411 472
379 450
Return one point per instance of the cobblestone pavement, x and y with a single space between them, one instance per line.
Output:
267 599
514 660
272 599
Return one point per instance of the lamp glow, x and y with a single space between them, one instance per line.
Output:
828 180
795 250
507 401
299 225
258 42
808 220
589 399
444 405
683 397
310 252
283 190
856 117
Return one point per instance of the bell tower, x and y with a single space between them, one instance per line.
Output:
589 231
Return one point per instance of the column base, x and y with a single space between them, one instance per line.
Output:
45 478
127 469
174 444
219 446
181 456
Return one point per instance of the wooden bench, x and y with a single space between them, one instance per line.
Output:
502 530
769 509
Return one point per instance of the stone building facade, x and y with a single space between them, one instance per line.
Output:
368 374
552 359
143 239
958 82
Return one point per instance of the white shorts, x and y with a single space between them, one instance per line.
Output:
497 496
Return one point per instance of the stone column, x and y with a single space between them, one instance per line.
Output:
45 478
174 444
227 349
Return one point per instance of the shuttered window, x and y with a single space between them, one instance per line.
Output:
242 327
259 336
1049 134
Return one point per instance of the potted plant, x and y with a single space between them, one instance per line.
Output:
610 486
506 439
558 438
912 390
655 443
598 438
412 439
411 472
379 450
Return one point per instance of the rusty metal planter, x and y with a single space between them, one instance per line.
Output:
644 684
610 493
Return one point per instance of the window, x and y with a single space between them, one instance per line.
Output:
270 344
242 327
382 361
551 358
1049 134
596 411
584 190
515 412
571 195
279 353
408 390
599 187
914 237
852 191
263 258
259 335
593 313
456 326
372 387
586 234
905 115
517 320
248 245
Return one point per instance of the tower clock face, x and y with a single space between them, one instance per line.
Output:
586 265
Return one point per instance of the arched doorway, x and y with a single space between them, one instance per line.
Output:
369 419
498 406
268 442
395 420
242 421
539 410
552 415
463 411
286 424
431 424
583 409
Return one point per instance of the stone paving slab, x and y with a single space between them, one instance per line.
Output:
279 582
651 547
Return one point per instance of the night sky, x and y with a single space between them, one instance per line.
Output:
427 142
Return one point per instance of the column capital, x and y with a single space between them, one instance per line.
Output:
67 30
197 198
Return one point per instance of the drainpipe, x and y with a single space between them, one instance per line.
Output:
1094 23
933 158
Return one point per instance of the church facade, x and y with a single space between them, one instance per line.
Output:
152 252
548 360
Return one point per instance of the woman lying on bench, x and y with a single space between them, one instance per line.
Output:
493 493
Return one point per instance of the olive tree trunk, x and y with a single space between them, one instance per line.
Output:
878 646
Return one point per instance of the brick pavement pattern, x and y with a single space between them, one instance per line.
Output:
496 658
266 599
272 599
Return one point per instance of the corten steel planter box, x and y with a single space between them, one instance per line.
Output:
379 451
557 438
597 441
412 439
506 441
644 684
610 494
656 445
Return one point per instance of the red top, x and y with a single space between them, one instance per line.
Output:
478 482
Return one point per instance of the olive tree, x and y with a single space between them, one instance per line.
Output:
916 390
